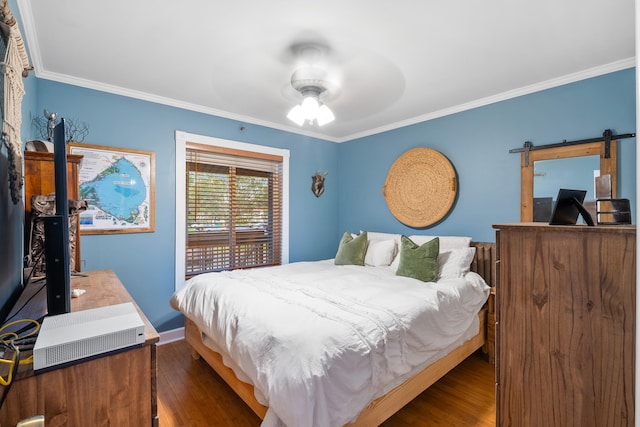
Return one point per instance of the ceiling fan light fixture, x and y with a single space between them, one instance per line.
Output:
310 106
325 115
311 109
310 82
296 115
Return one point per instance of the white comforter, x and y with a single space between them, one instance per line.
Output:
320 341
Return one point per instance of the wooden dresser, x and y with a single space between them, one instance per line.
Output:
565 308
116 389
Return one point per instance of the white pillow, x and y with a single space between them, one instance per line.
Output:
455 262
380 253
374 235
447 243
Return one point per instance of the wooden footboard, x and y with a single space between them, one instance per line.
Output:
378 410
384 407
193 336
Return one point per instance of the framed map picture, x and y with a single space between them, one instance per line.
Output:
119 187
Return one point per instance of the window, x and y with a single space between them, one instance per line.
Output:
231 205
234 204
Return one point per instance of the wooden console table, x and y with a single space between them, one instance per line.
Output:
117 389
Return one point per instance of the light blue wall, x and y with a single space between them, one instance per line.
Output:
145 261
477 142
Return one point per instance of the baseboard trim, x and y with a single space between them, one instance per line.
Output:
170 336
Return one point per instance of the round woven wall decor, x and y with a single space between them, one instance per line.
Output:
420 187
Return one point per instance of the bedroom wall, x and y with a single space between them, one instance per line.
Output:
145 261
477 142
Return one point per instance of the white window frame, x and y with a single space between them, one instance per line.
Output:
181 186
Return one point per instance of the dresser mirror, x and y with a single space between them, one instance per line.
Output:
545 170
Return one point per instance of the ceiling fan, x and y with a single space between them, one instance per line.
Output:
311 79
338 80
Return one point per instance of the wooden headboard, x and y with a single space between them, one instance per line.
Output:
484 263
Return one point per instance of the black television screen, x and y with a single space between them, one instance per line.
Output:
568 206
56 233
11 236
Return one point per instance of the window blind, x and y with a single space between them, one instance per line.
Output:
234 209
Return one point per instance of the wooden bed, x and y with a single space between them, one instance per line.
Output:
385 406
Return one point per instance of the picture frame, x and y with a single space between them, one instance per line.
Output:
119 187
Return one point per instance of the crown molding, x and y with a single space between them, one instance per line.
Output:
526 90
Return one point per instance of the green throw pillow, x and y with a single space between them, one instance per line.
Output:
351 250
419 262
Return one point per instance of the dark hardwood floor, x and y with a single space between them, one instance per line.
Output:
190 393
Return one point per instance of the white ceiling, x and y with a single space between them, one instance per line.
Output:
394 63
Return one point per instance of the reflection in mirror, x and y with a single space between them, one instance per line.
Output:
550 175
608 161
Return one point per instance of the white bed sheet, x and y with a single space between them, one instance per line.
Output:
319 342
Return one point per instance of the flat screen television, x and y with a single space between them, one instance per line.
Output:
56 233
568 206
11 236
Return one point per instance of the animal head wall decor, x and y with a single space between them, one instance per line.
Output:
317 183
